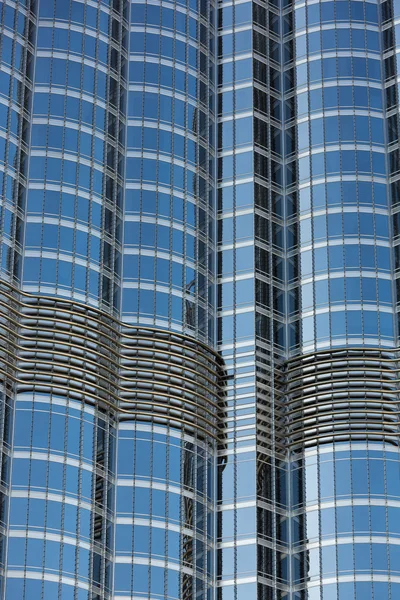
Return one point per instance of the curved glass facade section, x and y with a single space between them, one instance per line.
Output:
342 390
186 186
111 386
166 488
164 514
346 271
169 223
76 164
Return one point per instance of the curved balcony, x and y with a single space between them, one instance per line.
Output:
340 395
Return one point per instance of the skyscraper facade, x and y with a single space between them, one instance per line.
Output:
199 335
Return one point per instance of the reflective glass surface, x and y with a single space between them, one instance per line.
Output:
185 181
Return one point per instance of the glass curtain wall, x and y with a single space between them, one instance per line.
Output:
17 38
152 153
258 291
236 301
342 393
60 528
165 521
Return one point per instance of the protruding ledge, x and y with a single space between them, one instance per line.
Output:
342 394
63 347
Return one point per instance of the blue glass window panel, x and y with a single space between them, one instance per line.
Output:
350 223
345 558
16 552
36 513
344 520
157 580
360 68
301 74
354 323
34 555
385 291
304 168
358 38
393 479
142 500
320 259
382 226
331 96
361 96
386 324
53 515
244 293
314 42
380 194
343 475
328 522
333 163
302 103
313 14
370 323
377 135
374 69
371 13
56 475
123 576
328 554
52 550
345 67
245 324
321 292
369 289
348 161
300 18
306 263
376 472
383 257
318 195
347 127
243 69
353 292
141 539
375 98
315 66
334 225
303 135
362 557
352 259
326 478
393 512
378 519
394 557
311 477
342 11
245 258
361 517
244 99
381 590
123 538
125 499
317 165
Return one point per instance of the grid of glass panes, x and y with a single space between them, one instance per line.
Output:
169 245
73 223
338 490
60 534
344 224
236 316
164 514
390 24
17 25
346 513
